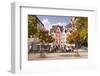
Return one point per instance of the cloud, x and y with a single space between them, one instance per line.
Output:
60 24
46 23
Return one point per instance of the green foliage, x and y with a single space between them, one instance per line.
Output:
81 32
32 25
42 34
73 37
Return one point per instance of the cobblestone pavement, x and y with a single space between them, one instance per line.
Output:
56 56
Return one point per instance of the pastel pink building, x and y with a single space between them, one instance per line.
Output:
58 35
57 32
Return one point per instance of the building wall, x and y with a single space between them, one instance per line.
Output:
58 36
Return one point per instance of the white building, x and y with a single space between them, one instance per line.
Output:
63 39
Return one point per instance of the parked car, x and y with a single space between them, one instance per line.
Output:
70 48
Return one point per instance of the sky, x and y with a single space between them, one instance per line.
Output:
48 21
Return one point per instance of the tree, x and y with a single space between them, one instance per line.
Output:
74 36
32 25
81 32
41 34
82 26
44 37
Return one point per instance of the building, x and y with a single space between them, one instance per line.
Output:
63 38
59 34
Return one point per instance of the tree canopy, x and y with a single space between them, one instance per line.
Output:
45 37
81 32
32 25
41 34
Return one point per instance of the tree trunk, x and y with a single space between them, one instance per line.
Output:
42 52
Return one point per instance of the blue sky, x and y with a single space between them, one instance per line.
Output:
48 21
